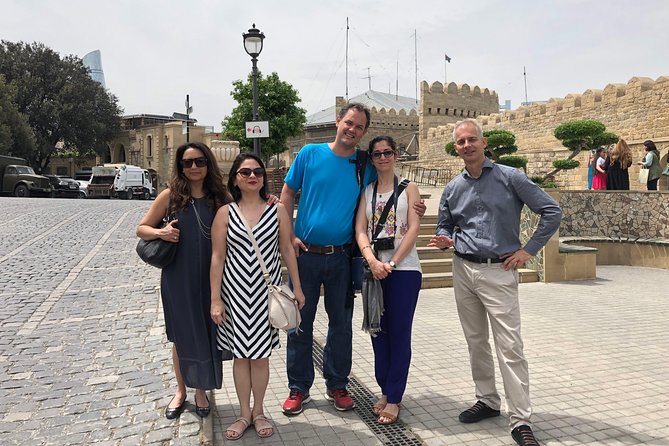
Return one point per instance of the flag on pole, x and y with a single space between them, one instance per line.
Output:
448 59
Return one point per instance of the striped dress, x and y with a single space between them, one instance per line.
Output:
247 332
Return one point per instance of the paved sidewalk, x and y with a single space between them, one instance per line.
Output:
83 356
598 352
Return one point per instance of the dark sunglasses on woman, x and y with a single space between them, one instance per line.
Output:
385 154
246 172
188 162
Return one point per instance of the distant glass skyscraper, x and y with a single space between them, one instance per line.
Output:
93 61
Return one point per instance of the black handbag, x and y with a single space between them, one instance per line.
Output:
157 252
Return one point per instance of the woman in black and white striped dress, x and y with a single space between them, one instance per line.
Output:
240 309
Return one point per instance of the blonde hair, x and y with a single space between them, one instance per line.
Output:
622 152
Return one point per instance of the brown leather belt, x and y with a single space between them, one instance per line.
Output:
477 259
327 249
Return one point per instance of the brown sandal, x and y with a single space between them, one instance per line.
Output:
267 427
238 433
389 417
378 407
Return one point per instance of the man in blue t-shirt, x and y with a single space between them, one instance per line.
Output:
327 178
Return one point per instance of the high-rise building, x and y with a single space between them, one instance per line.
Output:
93 61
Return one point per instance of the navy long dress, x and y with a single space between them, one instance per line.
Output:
186 301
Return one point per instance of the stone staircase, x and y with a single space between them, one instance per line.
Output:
437 265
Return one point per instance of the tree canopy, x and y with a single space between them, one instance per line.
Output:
277 104
60 100
16 136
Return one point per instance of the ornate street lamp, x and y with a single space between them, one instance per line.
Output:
253 41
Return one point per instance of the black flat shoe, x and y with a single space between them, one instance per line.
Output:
174 412
202 412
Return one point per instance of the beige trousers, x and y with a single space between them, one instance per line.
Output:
486 292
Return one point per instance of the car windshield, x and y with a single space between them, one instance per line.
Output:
26 170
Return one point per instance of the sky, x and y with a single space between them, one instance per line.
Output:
154 52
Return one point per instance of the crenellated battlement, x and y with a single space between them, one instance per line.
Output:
452 102
589 101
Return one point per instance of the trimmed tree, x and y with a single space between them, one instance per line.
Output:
277 104
585 134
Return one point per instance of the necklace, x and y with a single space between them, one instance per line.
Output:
204 229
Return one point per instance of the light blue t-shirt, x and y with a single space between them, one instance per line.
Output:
329 194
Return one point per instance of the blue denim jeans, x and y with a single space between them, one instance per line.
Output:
333 271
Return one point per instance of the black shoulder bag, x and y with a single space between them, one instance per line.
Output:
361 160
157 252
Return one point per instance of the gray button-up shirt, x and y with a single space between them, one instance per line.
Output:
482 215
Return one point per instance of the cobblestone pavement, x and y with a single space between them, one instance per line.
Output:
83 356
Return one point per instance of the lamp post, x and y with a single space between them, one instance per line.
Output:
253 47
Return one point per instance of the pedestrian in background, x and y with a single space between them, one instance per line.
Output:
239 296
195 193
618 163
651 162
479 215
391 255
599 164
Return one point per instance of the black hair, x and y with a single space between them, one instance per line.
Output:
378 139
232 187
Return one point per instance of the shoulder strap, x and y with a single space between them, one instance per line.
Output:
390 203
361 159
265 273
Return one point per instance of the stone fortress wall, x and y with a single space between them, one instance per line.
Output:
636 111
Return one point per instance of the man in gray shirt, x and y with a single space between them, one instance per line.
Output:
479 215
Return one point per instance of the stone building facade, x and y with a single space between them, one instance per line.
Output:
150 142
635 111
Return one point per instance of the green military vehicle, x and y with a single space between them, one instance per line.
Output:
20 180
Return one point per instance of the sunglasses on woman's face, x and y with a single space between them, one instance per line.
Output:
385 154
188 162
246 172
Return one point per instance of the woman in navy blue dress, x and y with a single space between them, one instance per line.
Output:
196 192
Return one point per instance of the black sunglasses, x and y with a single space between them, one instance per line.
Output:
188 162
246 172
385 154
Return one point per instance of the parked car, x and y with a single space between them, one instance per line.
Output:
63 186
83 188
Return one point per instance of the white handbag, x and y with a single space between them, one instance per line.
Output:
643 175
284 312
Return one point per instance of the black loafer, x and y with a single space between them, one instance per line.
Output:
524 436
478 412
174 412
202 412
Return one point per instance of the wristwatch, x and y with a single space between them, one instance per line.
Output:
392 264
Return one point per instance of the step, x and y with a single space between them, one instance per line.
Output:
430 266
425 253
